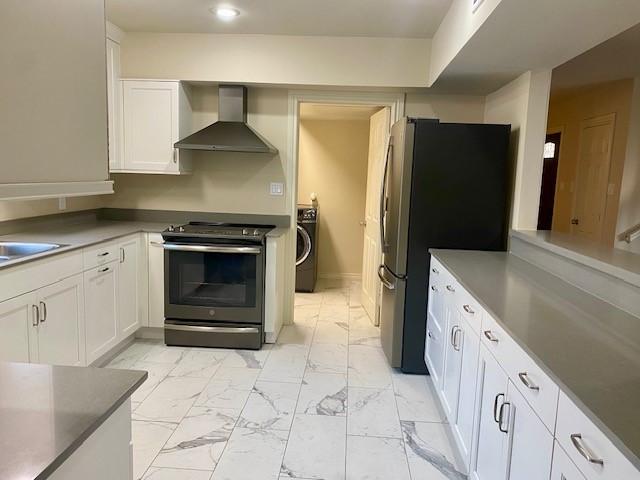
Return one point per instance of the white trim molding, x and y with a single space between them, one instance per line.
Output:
396 104
114 32
35 191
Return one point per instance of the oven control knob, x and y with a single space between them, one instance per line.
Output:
245 231
256 232
181 229
212 312
171 228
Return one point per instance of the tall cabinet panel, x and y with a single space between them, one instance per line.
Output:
101 309
128 287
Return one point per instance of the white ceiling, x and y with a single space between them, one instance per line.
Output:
317 111
615 59
534 35
376 18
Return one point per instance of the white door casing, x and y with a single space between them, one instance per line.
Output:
371 257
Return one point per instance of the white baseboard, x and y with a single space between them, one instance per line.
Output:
339 276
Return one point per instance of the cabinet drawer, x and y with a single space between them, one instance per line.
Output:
580 439
100 254
541 392
563 468
470 309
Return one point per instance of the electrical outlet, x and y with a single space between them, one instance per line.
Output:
62 203
276 189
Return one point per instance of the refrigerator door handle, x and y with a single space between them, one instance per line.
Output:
383 194
383 279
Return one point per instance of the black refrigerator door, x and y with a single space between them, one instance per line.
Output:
458 201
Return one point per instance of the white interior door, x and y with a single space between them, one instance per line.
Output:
378 133
594 162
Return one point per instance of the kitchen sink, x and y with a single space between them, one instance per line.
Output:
15 250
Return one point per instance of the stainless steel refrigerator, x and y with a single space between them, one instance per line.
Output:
445 186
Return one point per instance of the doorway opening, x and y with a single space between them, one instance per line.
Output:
341 150
549 177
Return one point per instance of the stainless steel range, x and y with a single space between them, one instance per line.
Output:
214 285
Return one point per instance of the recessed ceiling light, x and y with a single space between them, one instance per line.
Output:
225 13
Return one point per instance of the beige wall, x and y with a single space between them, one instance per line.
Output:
221 182
629 209
523 104
333 164
278 59
566 113
20 209
448 108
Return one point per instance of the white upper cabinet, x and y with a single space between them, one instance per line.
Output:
156 115
114 105
54 108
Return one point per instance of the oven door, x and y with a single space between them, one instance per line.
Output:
222 283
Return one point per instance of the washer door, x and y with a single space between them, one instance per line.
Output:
303 245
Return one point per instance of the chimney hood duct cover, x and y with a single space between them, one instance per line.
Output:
231 132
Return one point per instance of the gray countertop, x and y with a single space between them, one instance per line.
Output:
589 347
77 235
46 412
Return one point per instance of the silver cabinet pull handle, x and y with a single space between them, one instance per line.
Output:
468 309
103 254
175 155
102 270
36 315
456 343
434 288
495 407
450 288
122 255
501 417
44 312
435 270
577 441
156 244
524 378
490 336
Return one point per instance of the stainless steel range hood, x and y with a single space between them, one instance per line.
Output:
231 132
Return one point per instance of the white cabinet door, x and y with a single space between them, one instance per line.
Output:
128 291
152 124
101 309
452 361
60 334
531 443
156 281
16 319
563 468
490 442
114 106
463 427
434 349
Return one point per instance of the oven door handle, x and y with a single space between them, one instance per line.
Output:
212 248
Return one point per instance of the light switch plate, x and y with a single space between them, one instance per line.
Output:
276 188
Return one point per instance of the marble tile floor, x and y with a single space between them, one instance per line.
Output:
321 403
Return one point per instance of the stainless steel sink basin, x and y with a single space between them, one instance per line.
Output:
15 250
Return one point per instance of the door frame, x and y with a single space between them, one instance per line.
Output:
396 104
550 131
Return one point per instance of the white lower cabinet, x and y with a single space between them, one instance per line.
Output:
452 357
563 468
128 288
16 317
156 281
58 336
531 444
489 460
469 342
101 309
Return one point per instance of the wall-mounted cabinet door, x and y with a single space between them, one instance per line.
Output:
156 281
60 333
491 438
16 319
128 291
114 106
154 112
531 446
101 309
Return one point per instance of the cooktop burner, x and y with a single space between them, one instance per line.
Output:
217 230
